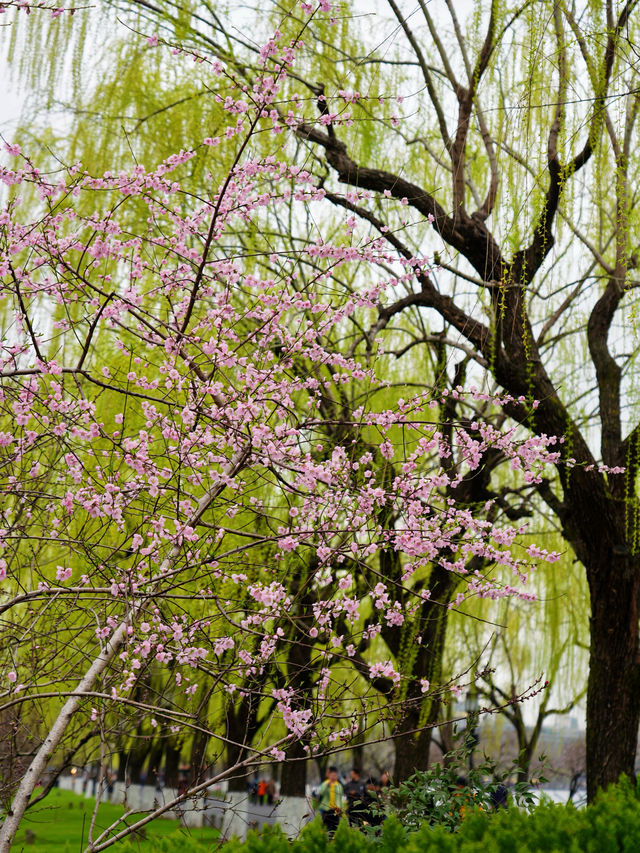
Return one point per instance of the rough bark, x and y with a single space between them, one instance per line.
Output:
412 753
293 780
172 765
198 756
613 693
412 733
241 727
294 770
131 763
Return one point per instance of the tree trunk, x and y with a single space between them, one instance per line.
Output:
357 752
131 762
413 731
172 767
241 728
412 753
123 756
613 692
294 773
198 754
154 767
238 781
447 742
300 670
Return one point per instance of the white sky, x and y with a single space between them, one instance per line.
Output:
10 102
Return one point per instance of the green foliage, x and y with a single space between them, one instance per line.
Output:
610 825
435 794
168 844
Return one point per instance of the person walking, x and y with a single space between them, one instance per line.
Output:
330 800
271 792
356 796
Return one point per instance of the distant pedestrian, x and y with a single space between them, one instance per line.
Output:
252 790
271 792
159 786
331 800
499 798
463 799
355 793
109 778
374 813
94 780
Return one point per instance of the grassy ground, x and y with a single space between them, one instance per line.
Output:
60 824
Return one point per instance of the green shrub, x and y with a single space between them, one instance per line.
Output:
610 825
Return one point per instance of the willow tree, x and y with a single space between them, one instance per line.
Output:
503 138
513 155
534 165
558 180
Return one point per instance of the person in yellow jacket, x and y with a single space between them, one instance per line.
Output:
330 800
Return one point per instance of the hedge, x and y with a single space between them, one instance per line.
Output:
610 825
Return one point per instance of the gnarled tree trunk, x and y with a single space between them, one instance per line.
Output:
613 693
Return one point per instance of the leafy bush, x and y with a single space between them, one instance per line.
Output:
434 795
176 841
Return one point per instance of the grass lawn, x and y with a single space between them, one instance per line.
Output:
61 822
